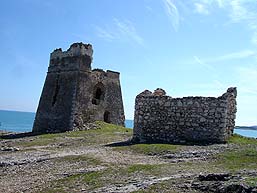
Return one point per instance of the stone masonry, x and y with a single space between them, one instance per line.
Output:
161 118
74 95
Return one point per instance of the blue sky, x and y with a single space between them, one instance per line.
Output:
188 48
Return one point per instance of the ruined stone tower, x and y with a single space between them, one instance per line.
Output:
73 94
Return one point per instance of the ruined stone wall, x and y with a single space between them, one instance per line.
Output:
70 96
161 118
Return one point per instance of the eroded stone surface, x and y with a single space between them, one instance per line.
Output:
161 118
74 95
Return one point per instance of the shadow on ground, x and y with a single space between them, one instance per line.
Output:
18 135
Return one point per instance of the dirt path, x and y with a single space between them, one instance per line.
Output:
35 167
26 169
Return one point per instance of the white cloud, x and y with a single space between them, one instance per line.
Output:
105 33
220 3
172 13
127 28
237 55
215 84
206 6
238 11
201 8
244 54
120 30
243 11
199 61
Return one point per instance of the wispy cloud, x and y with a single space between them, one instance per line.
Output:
221 3
120 30
105 33
244 54
245 12
172 13
201 8
237 55
202 63
127 28
238 11
215 83
205 7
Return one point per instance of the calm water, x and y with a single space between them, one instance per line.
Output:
16 121
23 122
247 133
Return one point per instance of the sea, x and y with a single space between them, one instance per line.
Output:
17 121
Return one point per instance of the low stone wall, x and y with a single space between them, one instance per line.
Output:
161 118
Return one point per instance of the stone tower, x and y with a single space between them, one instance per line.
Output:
73 94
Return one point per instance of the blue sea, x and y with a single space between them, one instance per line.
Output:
23 121
16 121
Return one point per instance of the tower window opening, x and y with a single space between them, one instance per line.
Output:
98 95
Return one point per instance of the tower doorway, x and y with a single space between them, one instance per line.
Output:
107 117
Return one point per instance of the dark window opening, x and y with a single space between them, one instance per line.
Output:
107 117
98 94
57 88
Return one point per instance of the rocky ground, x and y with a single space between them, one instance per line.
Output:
102 160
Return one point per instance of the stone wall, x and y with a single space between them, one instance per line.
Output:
161 118
74 95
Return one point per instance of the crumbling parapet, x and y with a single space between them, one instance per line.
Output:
161 118
78 57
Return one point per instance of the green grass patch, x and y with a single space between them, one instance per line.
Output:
164 187
252 181
158 170
79 158
142 168
106 133
239 159
150 149
114 175
90 181
38 141
93 179
238 139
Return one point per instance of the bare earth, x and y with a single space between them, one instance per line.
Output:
93 161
